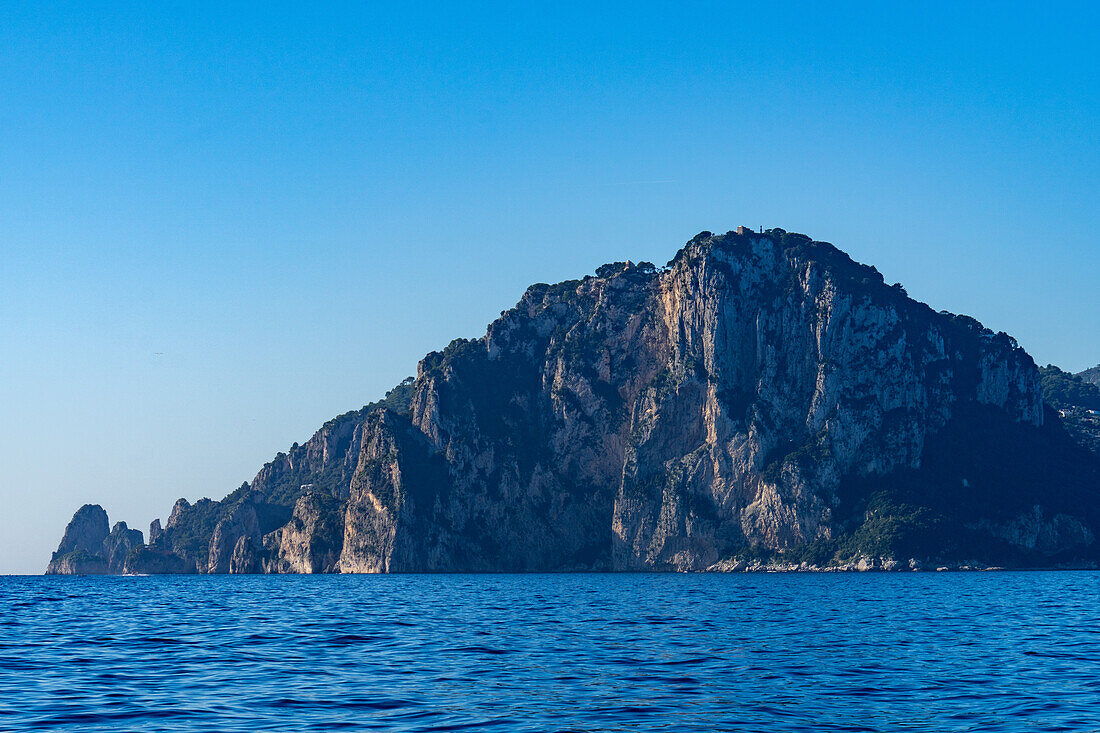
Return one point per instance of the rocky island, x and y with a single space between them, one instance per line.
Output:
760 401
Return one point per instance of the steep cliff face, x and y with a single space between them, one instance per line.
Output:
154 531
118 545
761 396
311 541
646 419
86 531
87 548
81 548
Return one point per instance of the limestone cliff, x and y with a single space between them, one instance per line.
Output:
649 419
87 548
118 545
86 531
311 541
761 396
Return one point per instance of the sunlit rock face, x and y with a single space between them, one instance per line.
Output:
646 419
761 397
311 541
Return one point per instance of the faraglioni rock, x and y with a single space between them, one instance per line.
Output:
87 548
761 401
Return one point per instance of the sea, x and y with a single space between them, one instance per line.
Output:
949 651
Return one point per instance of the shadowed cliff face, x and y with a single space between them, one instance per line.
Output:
761 395
311 541
87 548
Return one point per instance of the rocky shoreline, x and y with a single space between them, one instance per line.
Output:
879 565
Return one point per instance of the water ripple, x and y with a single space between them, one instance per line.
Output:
915 652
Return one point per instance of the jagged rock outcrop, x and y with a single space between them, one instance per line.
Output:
179 509
246 558
326 462
86 530
118 545
241 523
154 531
81 548
311 541
761 401
87 548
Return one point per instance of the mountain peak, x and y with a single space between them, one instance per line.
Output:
763 395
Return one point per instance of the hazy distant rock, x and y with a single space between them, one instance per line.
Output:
1091 375
77 562
154 531
118 544
1077 401
178 509
241 522
86 531
81 548
88 549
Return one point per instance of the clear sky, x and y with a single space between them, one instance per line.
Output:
222 224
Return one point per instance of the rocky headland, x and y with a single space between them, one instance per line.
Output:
761 402
88 548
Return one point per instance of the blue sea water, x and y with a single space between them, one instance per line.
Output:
853 652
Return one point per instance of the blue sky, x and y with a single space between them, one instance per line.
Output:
221 225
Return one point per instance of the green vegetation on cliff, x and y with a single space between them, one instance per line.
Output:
1063 390
1076 399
